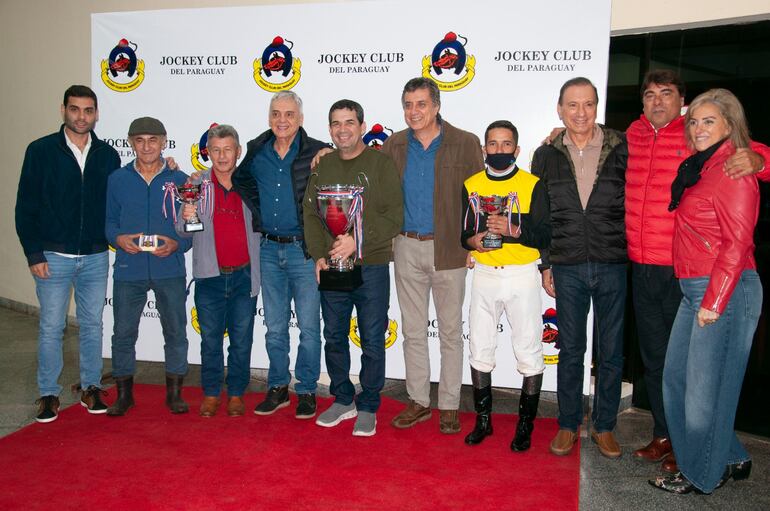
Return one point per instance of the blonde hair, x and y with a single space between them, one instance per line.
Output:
731 111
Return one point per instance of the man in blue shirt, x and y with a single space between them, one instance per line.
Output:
271 180
434 159
135 195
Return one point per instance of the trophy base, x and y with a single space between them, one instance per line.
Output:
492 242
340 281
193 227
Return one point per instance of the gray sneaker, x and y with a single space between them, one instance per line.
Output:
366 424
335 414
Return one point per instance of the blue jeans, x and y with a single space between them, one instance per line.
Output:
128 302
88 275
576 286
703 376
371 301
223 302
286 274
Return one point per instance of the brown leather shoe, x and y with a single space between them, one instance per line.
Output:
448 422
209 406
563 442
411 415
669 464
235 406
659 448
607 444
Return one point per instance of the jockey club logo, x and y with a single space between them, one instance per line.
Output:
376 136
199 153
449 65
123 71
550 334
390 335
278 69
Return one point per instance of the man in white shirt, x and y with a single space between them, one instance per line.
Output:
60 211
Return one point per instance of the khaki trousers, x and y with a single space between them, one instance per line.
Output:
416 279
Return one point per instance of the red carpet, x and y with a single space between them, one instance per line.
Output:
151 459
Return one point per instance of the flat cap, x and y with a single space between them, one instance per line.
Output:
146 126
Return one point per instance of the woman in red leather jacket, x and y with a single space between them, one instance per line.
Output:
714 327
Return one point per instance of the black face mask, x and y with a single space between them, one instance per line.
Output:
500 161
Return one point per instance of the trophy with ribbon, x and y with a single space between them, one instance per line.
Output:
340 209
493 205
189 193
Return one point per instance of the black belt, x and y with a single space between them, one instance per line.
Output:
282 239
226 270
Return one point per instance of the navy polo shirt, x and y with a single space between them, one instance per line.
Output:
418 181
276 189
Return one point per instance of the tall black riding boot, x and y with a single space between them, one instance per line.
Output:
125 400
482 402
530 397
174 393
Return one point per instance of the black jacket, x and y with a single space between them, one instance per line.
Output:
246 185
596 234
58 208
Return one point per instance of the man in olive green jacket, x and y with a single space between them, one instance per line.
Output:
353 163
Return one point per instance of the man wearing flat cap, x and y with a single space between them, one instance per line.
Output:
149 256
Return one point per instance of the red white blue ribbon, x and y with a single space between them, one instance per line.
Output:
207 198
169 190
473 204
513 200
355 212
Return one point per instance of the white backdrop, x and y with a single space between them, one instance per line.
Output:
191 68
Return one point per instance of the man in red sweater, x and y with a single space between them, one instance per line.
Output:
656 147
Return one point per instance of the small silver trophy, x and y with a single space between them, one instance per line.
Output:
485 205
492 205
190 194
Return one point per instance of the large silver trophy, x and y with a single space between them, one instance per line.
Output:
340 208
485 205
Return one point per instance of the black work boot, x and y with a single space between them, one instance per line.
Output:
530 397
174 393
482 402
125 400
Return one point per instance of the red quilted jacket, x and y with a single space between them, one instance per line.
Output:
653 159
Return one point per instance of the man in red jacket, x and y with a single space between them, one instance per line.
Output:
656 147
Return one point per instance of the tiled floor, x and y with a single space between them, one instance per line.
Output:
604 484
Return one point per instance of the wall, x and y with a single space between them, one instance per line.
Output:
45 46
634 17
